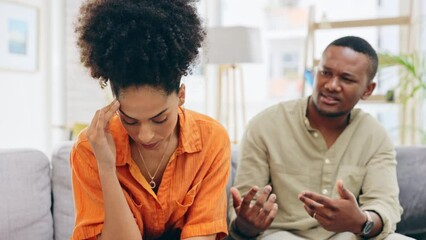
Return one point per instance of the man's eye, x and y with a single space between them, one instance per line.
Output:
325 73
348 79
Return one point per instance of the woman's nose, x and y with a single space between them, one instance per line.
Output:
146 134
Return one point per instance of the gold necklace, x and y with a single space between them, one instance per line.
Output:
152 182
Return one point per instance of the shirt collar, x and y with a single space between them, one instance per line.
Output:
305 103
189 133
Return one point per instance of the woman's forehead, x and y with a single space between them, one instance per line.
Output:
145 102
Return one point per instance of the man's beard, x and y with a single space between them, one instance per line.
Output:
329 114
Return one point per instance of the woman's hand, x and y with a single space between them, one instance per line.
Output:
101 139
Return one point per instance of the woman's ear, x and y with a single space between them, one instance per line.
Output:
181 94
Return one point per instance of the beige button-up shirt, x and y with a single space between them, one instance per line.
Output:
280 148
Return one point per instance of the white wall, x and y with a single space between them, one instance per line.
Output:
24 118
83 94
39 107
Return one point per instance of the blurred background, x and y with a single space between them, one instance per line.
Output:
257 53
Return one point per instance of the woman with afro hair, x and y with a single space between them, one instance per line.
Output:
145 168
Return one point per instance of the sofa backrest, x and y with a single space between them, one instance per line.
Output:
25 195
63 202
26 191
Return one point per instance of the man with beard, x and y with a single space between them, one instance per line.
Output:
329 169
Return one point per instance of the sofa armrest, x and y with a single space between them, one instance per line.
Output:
25 195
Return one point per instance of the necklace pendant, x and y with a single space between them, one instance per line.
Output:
152 183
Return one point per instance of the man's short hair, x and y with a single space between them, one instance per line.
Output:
362 46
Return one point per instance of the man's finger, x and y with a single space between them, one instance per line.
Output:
309 211
236 197
316 199
262 198
271 216
310 199
267 207
249 197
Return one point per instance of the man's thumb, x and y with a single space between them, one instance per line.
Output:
236 197
343 192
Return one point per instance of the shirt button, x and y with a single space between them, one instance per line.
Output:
327 161
315 135
324 191
306 122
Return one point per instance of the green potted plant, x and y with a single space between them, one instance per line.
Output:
410 89
412 73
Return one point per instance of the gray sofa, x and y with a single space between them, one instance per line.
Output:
35 194
36 198
411 170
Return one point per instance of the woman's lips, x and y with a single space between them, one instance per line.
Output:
149 146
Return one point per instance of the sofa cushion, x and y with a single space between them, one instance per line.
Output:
411 170
63 203
25 196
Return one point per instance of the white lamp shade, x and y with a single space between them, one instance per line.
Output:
231 45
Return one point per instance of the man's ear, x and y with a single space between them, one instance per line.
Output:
368 91
181 94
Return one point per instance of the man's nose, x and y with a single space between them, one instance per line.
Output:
333 84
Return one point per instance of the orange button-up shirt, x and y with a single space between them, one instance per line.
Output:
191 196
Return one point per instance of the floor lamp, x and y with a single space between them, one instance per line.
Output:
229 47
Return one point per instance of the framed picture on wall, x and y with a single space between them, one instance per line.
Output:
18 36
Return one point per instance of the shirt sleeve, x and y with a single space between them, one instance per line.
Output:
207 214
380 191
87 194
252 158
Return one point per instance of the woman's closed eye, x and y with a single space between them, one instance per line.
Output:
160 120
129 122
132 122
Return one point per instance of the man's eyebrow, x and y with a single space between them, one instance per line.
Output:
344 73
325 67
121 111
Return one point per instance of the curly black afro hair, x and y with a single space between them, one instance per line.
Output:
139 42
